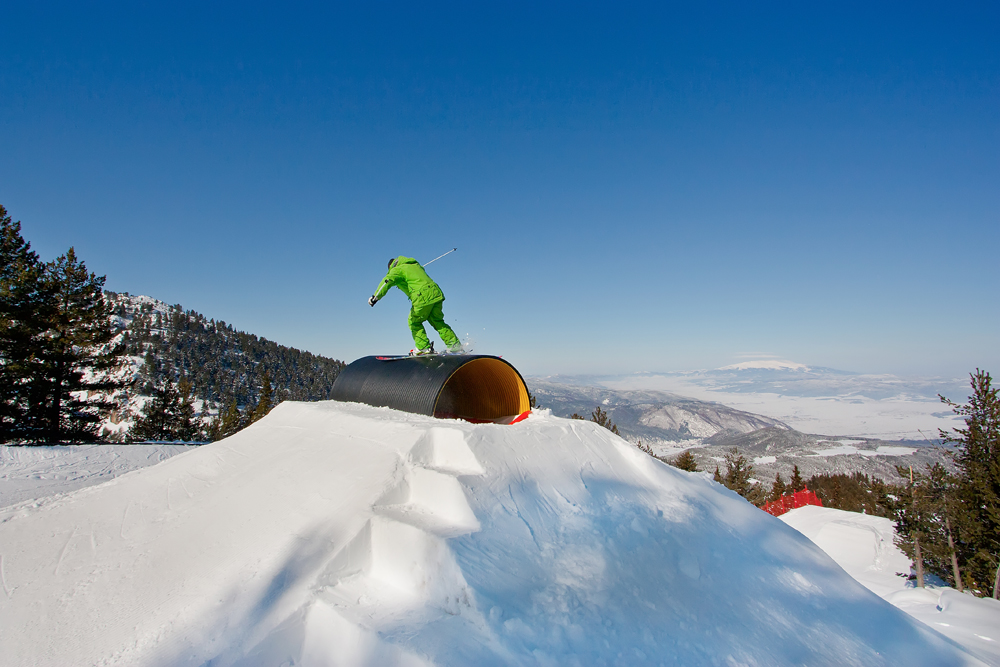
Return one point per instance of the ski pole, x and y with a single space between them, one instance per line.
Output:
439 257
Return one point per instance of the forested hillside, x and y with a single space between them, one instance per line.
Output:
168 343
80 364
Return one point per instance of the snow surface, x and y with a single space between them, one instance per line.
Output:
340 534
863 545
36 472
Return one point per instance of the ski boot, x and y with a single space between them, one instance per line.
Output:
424 352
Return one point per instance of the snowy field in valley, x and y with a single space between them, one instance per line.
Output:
815 400
847 448
340 534
863 546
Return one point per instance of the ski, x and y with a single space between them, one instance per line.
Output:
432 353
397 357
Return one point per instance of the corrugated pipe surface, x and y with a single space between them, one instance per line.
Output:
477 388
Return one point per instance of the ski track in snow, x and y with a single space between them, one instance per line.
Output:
340 534
3 579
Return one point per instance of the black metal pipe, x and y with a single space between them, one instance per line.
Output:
478 388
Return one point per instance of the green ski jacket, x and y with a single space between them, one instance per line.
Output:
407 274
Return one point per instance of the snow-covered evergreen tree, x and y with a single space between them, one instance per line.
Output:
168 416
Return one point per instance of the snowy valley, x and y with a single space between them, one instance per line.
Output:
670 423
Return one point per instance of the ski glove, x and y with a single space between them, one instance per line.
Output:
372 301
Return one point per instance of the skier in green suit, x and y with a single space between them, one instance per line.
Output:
425 303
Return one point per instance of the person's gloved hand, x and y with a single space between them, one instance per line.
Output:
372 301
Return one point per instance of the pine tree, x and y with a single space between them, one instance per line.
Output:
796 483
685 461
167 416
533 401
738 472
187 427
265 403
925 521
718 477
599 416
778 488
854 493
158 416
76 355
20 282
227 422
757 495
977 492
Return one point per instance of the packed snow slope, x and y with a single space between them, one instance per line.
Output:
864 546
341 534
28 472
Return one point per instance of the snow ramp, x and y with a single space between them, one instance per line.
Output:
335 534
477 388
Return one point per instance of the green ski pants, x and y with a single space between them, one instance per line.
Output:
434 314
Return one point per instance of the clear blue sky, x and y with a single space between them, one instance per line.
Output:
631 186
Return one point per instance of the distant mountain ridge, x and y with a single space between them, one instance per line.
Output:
656 417
765 364
669 423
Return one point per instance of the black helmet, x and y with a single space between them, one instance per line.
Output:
392 261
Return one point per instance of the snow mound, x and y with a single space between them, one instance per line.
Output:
341 534
863 545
